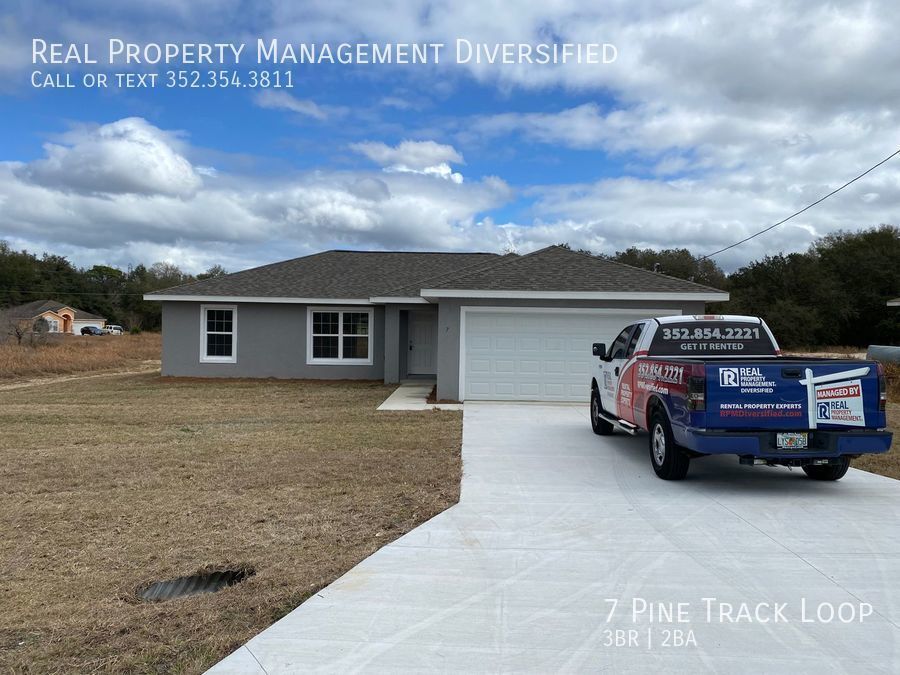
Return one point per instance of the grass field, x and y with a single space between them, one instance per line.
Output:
71 354
887 464
103 490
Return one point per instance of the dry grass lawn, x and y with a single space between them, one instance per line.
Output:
68 354
104 488
887 464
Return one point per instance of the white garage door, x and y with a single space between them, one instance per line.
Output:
535 355
78 325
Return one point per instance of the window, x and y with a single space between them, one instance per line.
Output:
339 336
632 343
617 349
52 325
712 336
218 333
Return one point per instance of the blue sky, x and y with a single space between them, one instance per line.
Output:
712 123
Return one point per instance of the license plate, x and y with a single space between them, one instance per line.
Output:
792 441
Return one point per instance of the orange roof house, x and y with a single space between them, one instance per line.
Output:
60 318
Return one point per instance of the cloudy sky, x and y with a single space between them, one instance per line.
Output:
716 120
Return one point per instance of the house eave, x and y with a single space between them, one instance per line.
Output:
261 299
709 296
398 300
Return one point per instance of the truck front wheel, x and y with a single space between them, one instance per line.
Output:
668 460
600 426
828 471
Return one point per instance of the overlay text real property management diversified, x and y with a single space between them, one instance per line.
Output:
117 51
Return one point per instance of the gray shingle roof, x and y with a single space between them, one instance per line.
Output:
365 274
333 274
35 308
414 289
557 268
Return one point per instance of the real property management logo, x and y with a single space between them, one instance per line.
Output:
728 377
751 380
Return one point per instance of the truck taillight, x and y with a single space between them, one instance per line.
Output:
882 387
696 393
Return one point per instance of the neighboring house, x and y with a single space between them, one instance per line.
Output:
485 326
60 318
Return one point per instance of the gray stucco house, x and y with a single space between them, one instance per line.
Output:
485 326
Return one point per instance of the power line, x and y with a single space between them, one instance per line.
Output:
805 208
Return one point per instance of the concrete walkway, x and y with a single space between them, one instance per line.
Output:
555 524
413 395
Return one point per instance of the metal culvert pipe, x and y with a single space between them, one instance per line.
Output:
181 587
884 353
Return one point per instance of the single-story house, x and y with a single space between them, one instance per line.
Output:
60 318
485 326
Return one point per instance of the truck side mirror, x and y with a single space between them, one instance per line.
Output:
599 349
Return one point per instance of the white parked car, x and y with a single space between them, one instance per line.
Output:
113 329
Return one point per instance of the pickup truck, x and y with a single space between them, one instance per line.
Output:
712 385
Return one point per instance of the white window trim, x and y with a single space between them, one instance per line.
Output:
218 359
310 361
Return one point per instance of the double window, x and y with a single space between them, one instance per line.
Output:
338 336
218 333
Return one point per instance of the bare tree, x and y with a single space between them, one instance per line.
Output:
36 330
14 327
134 321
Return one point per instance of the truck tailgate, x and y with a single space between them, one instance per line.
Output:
779 394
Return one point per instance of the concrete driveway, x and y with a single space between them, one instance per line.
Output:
563 540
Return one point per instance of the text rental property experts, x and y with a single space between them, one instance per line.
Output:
273 51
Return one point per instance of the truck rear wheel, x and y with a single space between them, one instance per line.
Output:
600 426
828 471
668 460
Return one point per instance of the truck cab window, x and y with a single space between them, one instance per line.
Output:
617 349
632 343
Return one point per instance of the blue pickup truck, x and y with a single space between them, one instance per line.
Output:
712 385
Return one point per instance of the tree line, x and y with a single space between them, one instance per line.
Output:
835 293
107 291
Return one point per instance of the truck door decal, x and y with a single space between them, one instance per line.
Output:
629 397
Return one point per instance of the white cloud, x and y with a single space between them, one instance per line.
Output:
764 106
243 220
281 100
413 154
726 116
129 156
238 218
424 157
400 103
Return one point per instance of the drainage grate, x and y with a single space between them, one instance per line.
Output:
210 582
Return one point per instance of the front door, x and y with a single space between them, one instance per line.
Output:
422 343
